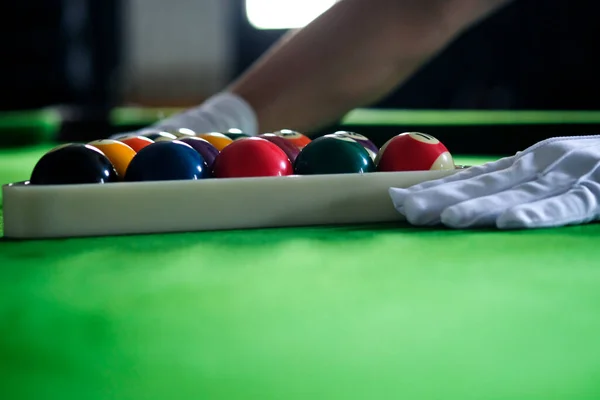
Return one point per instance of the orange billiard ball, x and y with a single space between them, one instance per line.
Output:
297 138
136 142
119 154
414 151
217 139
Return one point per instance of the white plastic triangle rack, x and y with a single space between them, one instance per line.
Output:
59 211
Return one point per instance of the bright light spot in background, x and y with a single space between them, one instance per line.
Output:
285 14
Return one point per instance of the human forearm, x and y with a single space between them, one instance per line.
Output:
354 54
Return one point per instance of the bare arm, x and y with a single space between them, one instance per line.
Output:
354 54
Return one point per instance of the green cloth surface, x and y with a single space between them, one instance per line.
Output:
357 312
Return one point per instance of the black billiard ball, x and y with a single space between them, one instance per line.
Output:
332 154
165 161
73 164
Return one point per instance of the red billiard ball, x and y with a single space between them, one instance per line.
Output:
284 144
298 139
136 142
414 151
252 157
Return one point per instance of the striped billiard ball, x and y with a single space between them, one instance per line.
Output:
414 151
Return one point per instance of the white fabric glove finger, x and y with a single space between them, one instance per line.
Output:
467 173
424 207
484 211
398 195
577 206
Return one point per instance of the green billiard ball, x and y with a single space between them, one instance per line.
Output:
331 154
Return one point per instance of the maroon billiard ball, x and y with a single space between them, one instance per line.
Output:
204 147
284 144
414 151
298 139
367 144
252 157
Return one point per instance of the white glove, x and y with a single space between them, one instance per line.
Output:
219 113
553 183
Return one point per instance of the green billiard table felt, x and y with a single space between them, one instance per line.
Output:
370 312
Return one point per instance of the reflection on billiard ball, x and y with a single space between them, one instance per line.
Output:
178 132
202 146
164 161
217 139
252 157
368 144
297 138
235 134
119 154
73 164
331 154
284 144
414 151
157 135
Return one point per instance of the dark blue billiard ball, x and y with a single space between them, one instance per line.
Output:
167 161
73 163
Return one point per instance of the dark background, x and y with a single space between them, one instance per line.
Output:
532 55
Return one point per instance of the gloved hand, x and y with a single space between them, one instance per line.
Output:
219 113
555 182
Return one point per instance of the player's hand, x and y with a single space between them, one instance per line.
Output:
555 182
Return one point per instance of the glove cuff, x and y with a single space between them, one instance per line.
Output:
230 111
219 113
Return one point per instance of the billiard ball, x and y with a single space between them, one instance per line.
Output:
73 163
284 144
298 139
202 146
217 139
136 142
252 157
119 154
164 161
178 132
369 145
331 154
414 151
235 134
157 135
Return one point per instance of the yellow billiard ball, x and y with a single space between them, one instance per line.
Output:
119 154
217 139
